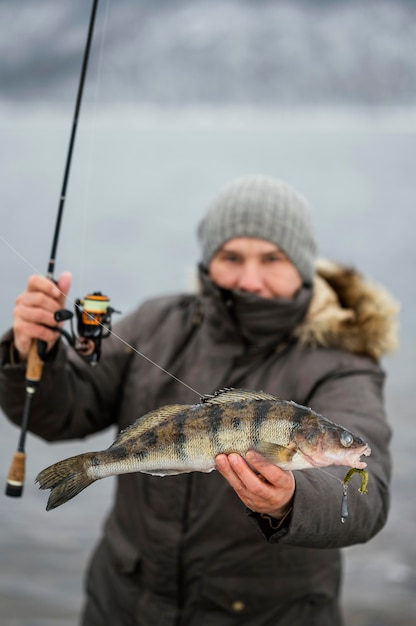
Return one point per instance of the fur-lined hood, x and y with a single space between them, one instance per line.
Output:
350 313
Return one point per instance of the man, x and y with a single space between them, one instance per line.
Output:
181 550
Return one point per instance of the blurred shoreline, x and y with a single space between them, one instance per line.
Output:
327 118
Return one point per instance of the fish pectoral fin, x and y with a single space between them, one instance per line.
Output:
274 453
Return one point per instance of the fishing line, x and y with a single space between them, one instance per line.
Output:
86 213
162 369
329 474
138 352
23 258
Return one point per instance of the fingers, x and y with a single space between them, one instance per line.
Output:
269 492
64 284
269 471
35 308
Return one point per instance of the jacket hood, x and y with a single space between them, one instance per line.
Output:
350 313
346 312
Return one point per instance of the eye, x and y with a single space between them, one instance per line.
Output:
273 258
346 439
229 257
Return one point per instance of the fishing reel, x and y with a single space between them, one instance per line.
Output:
93 315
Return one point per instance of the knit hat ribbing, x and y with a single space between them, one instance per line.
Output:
266 208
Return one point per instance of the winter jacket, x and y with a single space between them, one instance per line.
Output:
181 550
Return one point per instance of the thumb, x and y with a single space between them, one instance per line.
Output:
64 285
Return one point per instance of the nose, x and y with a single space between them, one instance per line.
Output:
250 280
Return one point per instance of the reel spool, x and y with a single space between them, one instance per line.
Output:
93 315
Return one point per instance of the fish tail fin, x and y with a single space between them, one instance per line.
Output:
66 479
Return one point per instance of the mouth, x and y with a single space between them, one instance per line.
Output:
353 458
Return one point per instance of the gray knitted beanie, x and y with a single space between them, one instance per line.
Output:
266 208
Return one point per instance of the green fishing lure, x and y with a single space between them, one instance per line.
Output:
362 489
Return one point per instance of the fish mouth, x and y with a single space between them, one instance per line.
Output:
351 458
354 456
367 450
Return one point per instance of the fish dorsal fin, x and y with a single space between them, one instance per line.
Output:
223 396
150 420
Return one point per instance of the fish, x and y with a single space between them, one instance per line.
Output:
177 438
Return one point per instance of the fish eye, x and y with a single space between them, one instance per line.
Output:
346 439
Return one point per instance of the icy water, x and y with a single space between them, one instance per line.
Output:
140 181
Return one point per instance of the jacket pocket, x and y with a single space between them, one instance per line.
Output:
237 601
234 600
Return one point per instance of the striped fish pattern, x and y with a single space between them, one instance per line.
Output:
175 439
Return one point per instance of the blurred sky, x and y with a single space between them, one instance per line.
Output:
261 52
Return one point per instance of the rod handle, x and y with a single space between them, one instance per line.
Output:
16 476
34 365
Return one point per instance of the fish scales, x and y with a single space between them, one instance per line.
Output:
185 438
272 419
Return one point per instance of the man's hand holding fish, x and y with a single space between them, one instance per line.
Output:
262 486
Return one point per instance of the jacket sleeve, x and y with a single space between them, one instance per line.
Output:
350 394
73 399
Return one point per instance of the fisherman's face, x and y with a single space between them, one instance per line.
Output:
255 266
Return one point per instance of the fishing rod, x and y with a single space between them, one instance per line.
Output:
93 312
